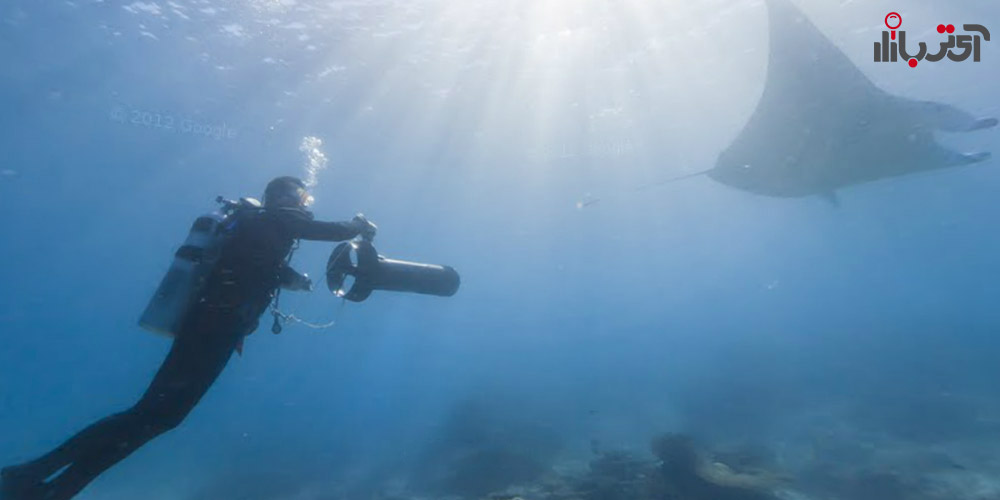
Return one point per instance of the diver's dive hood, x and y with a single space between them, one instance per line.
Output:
371 271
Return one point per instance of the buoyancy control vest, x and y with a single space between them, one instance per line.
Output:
194 263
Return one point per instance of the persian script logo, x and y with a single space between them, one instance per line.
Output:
890 50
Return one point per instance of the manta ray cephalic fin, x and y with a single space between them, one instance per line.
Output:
936 115
975 157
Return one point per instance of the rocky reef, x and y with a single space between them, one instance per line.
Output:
679 470
675 469
476 457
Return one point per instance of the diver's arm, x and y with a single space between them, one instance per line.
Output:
301 225
339 231
327 231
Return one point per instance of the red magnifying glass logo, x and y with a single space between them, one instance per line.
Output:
893 20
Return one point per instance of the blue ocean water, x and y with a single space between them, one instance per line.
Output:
853 344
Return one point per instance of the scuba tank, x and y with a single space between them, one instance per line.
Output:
193 264
370 271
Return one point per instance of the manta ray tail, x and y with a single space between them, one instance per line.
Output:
594 200
671 180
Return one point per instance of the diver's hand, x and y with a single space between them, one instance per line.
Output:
364 227
301 283
307 283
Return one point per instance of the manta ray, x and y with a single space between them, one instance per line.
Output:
822 125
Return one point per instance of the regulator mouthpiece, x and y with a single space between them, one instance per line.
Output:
370 271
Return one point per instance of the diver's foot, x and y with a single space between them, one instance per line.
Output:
18 484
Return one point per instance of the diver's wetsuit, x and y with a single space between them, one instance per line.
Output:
238 293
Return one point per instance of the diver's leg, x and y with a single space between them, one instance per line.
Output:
27 480
194 362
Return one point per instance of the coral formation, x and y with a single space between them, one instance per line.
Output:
477 454
680 471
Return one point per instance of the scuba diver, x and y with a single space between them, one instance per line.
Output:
254 251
